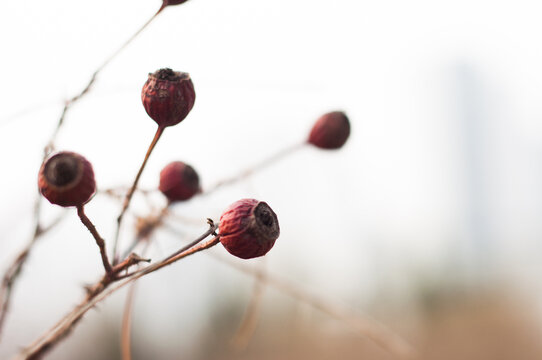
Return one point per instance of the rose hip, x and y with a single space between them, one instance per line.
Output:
168 96
248 228
330 131
179 181
173 2
67 179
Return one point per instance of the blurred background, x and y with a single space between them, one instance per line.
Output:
428 220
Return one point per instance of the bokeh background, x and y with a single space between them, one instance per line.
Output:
428 220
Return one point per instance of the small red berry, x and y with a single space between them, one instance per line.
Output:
173 2
248 228
168 96
330 131
179 181
67 179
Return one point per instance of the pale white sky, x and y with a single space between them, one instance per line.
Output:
410 189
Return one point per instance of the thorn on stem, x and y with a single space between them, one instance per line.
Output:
136 258
212 226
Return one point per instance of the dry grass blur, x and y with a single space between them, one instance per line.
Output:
489 326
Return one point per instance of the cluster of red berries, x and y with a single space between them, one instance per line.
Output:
247 229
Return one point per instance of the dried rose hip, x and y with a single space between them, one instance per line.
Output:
248 228
168 96
67 179
330 131
179 181
173 2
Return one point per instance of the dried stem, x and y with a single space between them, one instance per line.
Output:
120 191
8 280
132 259
99 241
366 327
179 254
130 193
248 325
99 292
126 331
127 42
256 167
15 268
146 227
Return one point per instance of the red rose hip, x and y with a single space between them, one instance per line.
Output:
179 181
173 2
248 228
67 179
330 131
168 96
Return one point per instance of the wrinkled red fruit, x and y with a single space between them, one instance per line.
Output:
330 131
179 181
168 96
248 228
173 2
67 179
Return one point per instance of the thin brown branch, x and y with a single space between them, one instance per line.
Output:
45 229
254 168
372 329
99 241
99 292
130 260
145 227
212 231
8 280
130 193
126 331
15 268
245 332
120 191
127 42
